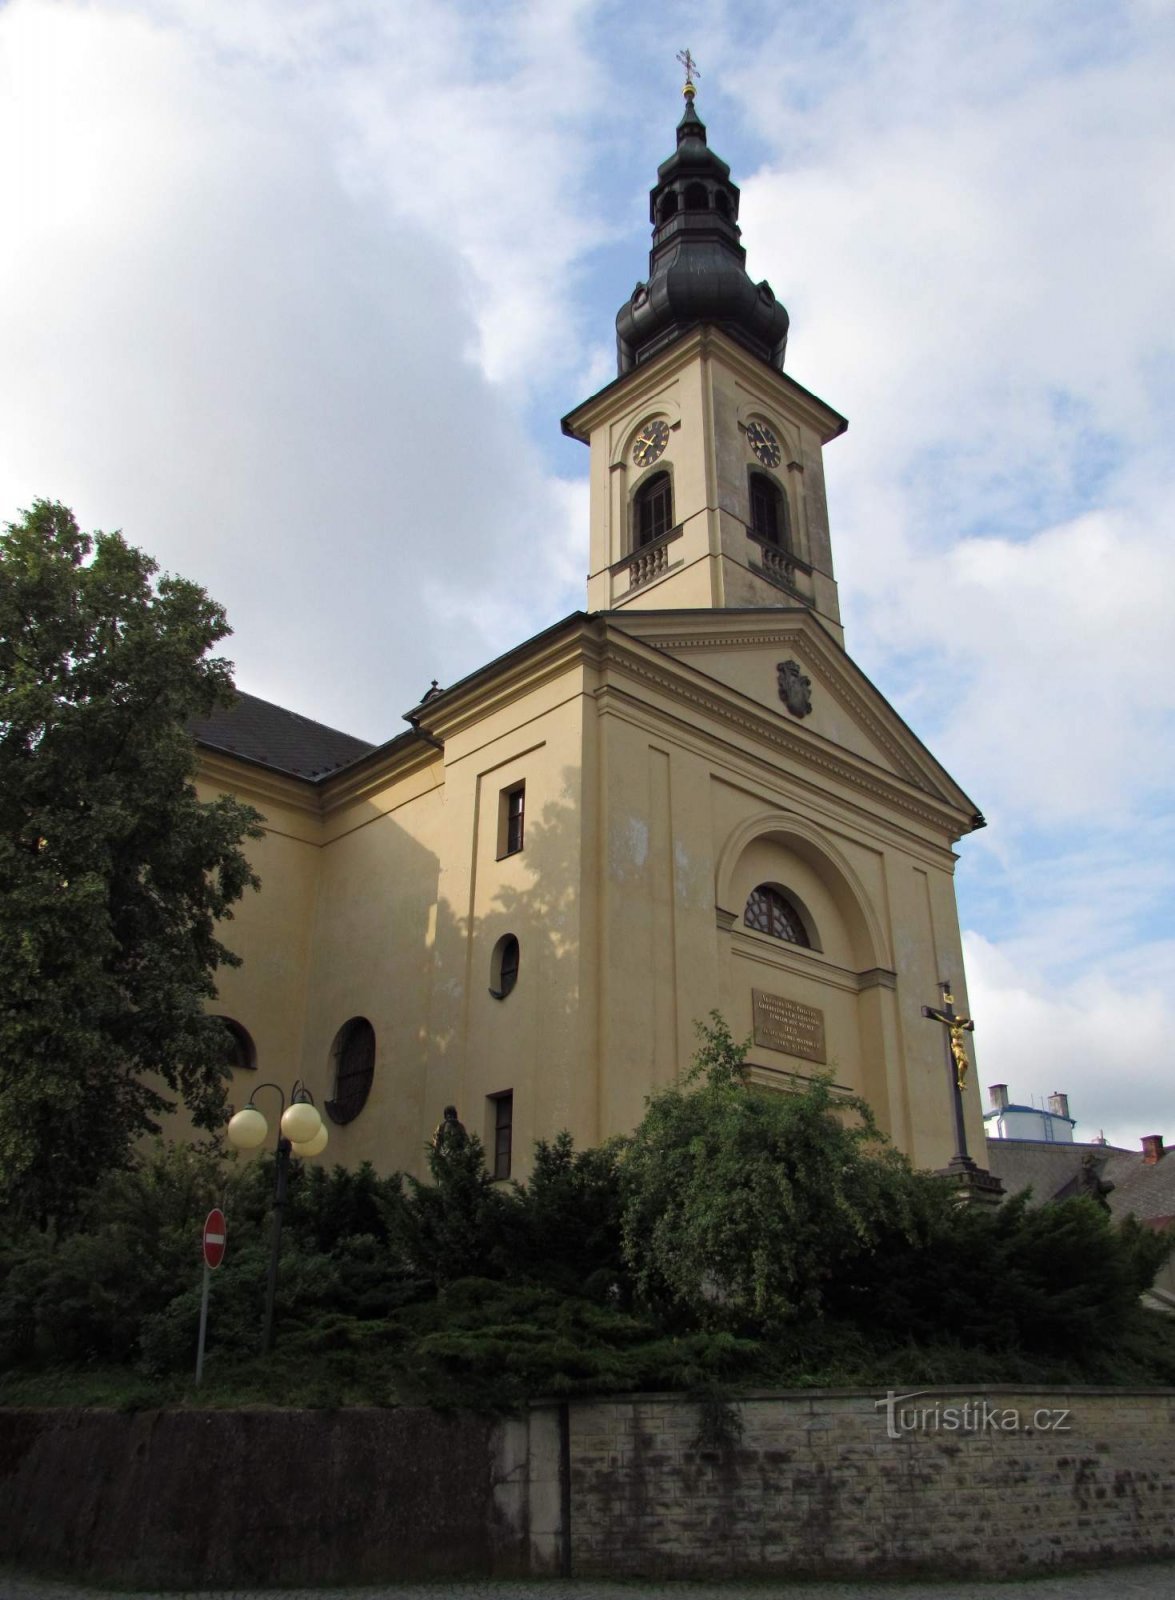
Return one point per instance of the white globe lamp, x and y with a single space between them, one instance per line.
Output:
248 1129
301 1122
310 1147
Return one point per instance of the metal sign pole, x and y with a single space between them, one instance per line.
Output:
203 1326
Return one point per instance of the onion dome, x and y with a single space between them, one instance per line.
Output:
696 266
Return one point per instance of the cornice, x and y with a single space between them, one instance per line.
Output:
251 779
705 342
841 684
859 696
523 671
939 815
352 786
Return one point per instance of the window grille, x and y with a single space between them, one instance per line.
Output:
769 911
354 1061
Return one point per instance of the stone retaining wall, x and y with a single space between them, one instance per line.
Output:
977 1483
236 1498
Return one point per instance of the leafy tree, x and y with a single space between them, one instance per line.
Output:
743 1207
113 874
564 1228
455 1226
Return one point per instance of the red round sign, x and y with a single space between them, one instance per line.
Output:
214 1237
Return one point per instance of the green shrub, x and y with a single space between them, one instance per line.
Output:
742 1207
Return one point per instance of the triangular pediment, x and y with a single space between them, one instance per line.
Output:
745 650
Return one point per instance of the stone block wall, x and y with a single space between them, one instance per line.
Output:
822 1484
975 1482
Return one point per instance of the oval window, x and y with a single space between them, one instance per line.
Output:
504 966
353 1061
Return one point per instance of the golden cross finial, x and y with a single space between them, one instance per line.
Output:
691 71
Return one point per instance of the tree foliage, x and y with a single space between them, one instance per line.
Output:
743 1207
740 1237
113 874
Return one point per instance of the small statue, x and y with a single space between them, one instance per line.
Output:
450 1134
1090 1181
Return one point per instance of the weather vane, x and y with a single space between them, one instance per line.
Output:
691 70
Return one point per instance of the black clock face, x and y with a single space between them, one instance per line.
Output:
764 443
651 440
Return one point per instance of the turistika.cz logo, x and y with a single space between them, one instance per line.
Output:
903 1416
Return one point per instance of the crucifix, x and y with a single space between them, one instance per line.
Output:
691 69
957 1063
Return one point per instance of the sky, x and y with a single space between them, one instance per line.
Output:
295 293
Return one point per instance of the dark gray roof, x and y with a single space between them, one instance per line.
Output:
257 730
1146 1191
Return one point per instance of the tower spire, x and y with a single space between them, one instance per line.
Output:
697 269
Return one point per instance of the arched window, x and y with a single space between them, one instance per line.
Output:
353 1059
722 202
240 1053
696 198
769 518
504 966
652 509
770 911
668 206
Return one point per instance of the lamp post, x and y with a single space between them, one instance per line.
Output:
302 1132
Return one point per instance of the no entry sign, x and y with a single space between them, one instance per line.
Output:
214 1236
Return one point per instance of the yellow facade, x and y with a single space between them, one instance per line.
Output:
664 780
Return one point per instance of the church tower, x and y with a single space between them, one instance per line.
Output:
707 482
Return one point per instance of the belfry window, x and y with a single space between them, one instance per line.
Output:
696 198
652 509
769 520
770 911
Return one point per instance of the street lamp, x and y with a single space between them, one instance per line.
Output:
302 1132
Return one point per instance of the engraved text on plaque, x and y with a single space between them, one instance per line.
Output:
789 1026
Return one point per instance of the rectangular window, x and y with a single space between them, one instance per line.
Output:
511 811
502 1108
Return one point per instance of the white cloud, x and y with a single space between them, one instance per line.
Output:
1095 1039
255 371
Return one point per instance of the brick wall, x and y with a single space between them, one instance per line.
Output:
815 1485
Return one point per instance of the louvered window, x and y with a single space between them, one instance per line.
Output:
653 509
768 510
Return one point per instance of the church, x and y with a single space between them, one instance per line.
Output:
685 798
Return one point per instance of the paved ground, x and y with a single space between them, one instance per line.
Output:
1152 1582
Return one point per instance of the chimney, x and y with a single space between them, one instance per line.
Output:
1152 1149
998 1094
1059 1104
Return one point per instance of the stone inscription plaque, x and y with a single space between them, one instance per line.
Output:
789 1026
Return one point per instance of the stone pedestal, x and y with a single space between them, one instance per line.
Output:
973 1185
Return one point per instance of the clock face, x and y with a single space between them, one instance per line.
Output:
651 440
764 443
